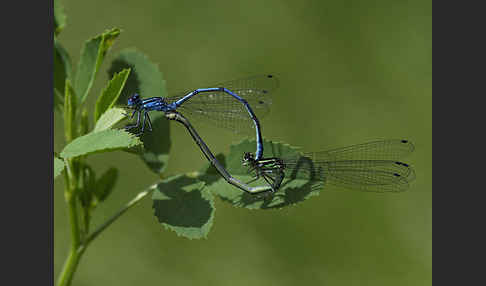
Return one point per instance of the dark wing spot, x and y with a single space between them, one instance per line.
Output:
264 91
404 141
261 102
269 76
396 175
403 164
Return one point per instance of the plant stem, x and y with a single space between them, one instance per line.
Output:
69 267
74 222
77 248
73 258
107 223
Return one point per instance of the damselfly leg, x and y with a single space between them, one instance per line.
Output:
270 169
128 127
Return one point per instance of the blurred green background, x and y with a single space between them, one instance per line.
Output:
350 72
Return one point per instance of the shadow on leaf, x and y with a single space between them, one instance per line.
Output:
305 170
181 204
300 183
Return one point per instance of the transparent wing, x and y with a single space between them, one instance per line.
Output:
223 110
372 167
390 149
371 175
264 83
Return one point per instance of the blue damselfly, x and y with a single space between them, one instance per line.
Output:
235 105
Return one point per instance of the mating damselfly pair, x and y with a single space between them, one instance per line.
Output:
373 166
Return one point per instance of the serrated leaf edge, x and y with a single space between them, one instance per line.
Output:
211 202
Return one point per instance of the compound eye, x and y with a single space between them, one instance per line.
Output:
248 156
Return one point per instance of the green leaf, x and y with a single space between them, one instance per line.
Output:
110 94
208 172
146 80
58 100
58 166
84 124
70 106
59 17
183 205
62 71
105 184
292 190
92 56
88 178
111 117
103 141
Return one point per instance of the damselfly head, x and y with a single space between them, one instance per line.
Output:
134 100
248 158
